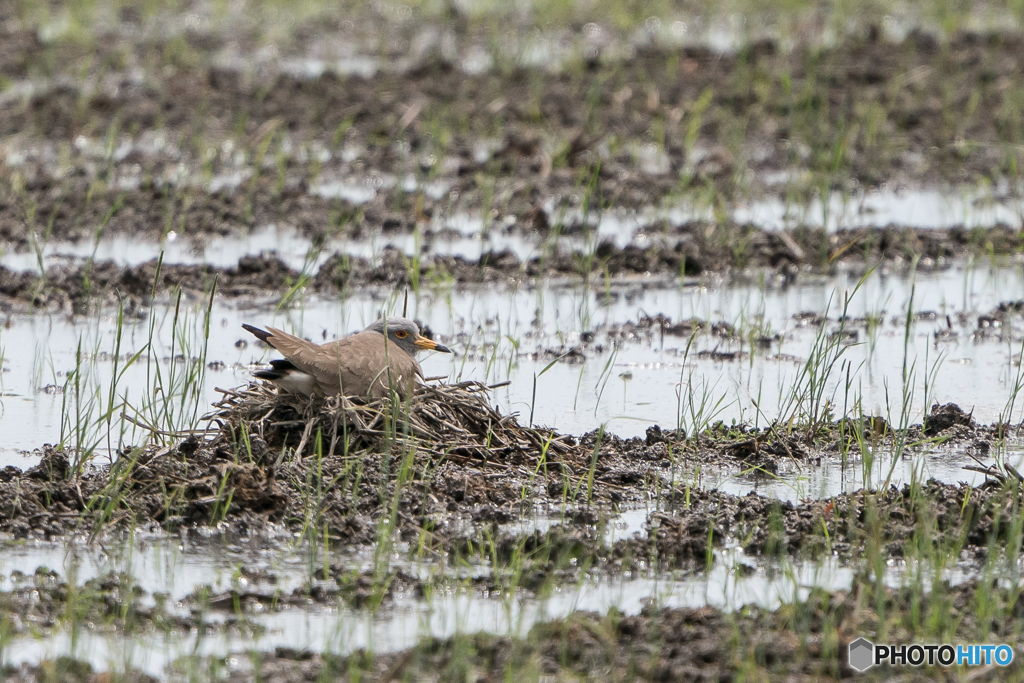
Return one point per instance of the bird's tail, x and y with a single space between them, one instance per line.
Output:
262 335
279 369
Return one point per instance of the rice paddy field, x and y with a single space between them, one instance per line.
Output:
736 296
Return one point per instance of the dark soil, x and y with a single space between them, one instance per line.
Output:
340 585
454 509
896 522
548 149
249 485
151 134
548 152
693 253
44 601
844 525
769 110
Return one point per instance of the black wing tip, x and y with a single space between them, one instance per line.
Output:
262 335
268 375
279 369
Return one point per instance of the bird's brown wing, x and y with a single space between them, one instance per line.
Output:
366 363
356 365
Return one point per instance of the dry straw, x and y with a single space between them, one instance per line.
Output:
450 421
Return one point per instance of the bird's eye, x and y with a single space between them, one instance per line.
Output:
401 334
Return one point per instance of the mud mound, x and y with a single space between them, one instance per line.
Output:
441 420
945 417
281 460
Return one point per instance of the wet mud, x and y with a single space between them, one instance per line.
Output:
696 251
662 644
546 147
808 641
337 585
360 490
44 600
189 146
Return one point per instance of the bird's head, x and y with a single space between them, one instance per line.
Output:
406 334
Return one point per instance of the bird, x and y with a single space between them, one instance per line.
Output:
364 365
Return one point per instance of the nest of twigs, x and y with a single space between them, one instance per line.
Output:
443 420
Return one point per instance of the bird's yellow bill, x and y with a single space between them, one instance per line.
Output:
431 345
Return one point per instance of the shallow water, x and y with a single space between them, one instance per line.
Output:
56 371
342 631
175 568
922 208
463 234
625 382
799 481
459 236
627 379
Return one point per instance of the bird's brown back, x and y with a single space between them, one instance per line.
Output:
357 365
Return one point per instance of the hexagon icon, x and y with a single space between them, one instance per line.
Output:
862 654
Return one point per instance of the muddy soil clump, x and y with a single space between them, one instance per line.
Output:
844 525
246 480
339 585
44 600
689 252
517 139
808 640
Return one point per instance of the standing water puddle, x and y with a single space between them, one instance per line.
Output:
573 360
609 369
175 568
464 235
